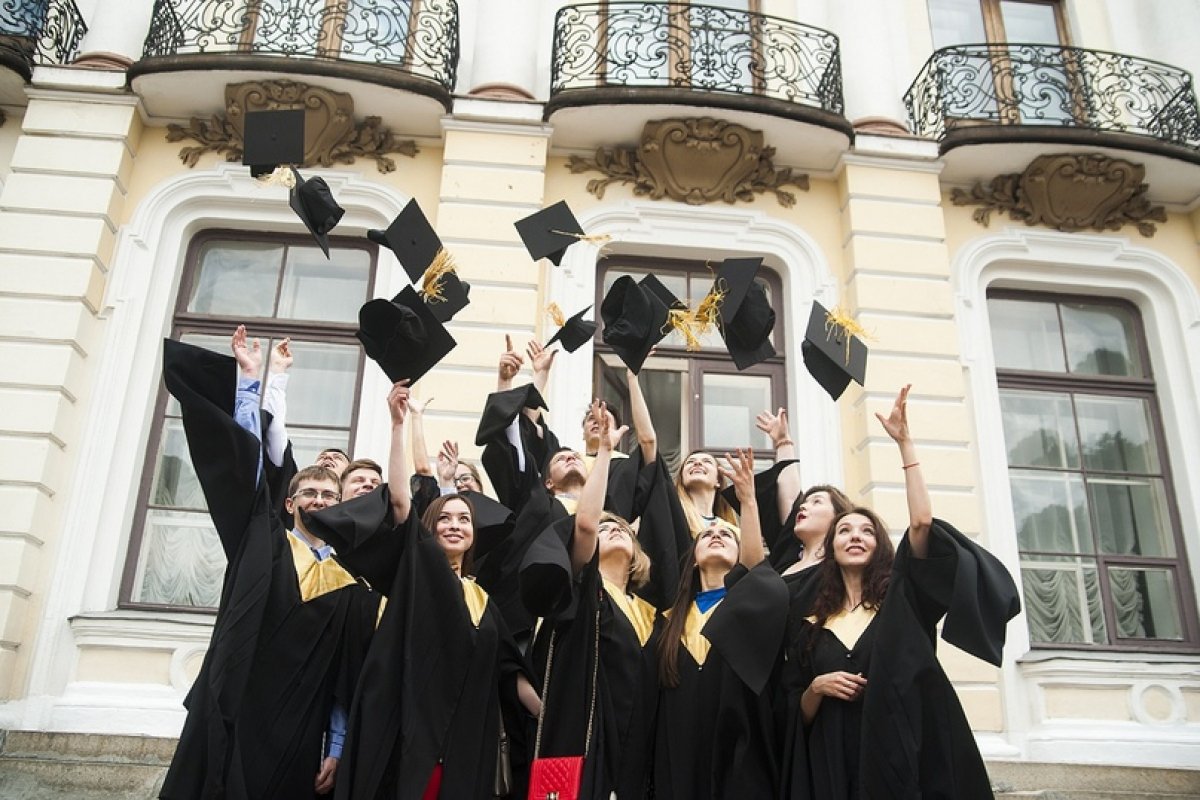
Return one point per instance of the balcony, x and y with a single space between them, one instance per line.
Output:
34 32
671 59
992 107
381 51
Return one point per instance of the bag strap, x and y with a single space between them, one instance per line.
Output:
537 742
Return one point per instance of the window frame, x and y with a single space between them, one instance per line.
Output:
1143 388
700 362
184 322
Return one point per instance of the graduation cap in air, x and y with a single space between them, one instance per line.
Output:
314 205
832 353
502 408
636 317
573 333
427 263
738 304
549 232
402 336
271 138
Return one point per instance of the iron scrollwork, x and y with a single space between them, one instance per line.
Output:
695 47
1050 85
417 39
39 32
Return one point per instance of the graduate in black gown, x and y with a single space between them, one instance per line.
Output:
292 626
442 670
880 717
718 652
601 675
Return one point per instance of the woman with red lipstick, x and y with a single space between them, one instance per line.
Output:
877 715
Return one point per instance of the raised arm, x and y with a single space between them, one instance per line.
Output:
643 425
275 400
420 452
447 465
920 509
591 499
397 463
787 484
510 365
741 472
541 360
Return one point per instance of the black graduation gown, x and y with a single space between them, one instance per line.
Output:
433 685
907 736
260 706
626 685
715 734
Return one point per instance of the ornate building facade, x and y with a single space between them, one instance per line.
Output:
1004 193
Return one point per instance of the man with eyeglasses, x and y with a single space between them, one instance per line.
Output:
266 714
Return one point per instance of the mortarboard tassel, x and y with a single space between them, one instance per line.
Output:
556 314
709 310
684 320
431 281
280 176
839 318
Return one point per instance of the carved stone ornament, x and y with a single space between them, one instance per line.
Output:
330 133
693 160
1069 192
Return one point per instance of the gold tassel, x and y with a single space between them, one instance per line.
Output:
839 318
595 238
683 320
556 314
431 281
709 310
280 176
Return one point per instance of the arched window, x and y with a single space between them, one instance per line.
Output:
698 400
1098 529
278 286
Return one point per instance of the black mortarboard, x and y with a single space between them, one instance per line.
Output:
734 278
491 520
748 335
271 138
549 232
402 336
833 356
314 205
454 295
412 239
635 318
502 408
573 333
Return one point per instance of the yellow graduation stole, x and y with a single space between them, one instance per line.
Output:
316 578
692 639
639 613
476 599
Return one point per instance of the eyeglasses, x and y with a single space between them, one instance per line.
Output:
465 478
313 494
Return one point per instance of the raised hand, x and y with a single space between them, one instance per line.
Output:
599 413
248 354
510 362
540 359
775 426
896 423
398 401
447 463
741 473
417 407
280 359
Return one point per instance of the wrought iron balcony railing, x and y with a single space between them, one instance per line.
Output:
677 46
39 32
416 38
967 86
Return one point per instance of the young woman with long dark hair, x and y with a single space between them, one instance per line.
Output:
879 717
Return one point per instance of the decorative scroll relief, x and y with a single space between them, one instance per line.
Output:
696 161
1069 192
330 133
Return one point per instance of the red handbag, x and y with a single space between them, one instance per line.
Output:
559 778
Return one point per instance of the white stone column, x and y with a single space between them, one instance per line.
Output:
116 33
876 66
505 47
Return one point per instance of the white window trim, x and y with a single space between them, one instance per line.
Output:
138 310
705 234
1169 302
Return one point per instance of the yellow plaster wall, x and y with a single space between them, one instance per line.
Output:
1094 703
122 665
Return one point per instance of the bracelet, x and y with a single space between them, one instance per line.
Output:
783 442
910 466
